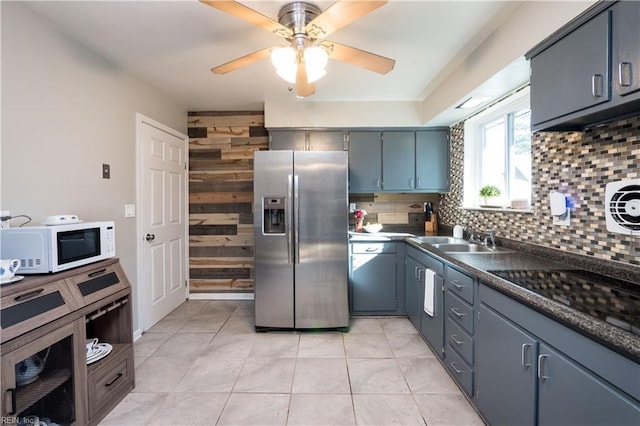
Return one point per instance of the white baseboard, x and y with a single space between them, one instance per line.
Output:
221 296
137 334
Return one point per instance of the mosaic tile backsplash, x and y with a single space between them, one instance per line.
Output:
578 164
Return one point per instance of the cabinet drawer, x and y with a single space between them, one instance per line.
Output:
110 380
373 248
97 284
433 264
460 284
459 312
460 341
459 370
29 309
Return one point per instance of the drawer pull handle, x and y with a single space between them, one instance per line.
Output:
456 313
456 285
456 341
96 273
453 365
371 249
113 381
29 295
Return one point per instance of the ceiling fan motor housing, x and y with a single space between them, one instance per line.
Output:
297 15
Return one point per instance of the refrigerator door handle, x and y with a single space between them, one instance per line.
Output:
289 219
296 219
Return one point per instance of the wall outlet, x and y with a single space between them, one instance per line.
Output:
564 220
106 171
352 207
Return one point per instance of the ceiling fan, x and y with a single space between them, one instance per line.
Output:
305 26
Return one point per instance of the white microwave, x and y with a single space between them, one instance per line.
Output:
48 249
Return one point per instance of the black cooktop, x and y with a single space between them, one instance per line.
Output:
608 299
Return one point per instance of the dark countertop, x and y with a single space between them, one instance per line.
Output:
622 341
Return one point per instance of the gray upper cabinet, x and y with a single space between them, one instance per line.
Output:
432 160
307 140
626 47
365 161
588 72
326 140
572 74
398 160
295 140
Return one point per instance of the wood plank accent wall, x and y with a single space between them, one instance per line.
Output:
221 146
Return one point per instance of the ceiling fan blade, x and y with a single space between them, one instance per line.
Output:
242 61
359 58
249 15
303 87
340 14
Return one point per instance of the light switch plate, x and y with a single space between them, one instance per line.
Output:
129 210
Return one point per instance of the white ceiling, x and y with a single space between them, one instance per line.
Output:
172 45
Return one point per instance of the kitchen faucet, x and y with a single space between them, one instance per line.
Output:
490 238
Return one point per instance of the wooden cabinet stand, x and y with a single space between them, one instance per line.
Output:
45 322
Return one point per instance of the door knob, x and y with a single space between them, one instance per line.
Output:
150 237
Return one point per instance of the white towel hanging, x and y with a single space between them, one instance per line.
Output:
429 291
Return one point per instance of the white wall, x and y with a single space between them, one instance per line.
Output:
65 112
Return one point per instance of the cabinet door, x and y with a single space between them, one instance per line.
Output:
365 161
569 394
326 140
412 272
398 161
573 74
626 45
432 327
373 283
294 140
45 377
432 160
505 367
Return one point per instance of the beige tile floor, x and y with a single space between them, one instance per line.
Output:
205 365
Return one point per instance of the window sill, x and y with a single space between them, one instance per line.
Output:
498 209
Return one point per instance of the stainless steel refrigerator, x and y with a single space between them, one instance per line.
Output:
301 221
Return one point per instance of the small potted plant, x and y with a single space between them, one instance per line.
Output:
489 192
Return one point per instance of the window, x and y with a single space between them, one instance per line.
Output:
497 146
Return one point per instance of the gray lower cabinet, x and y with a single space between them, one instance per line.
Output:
543 384
373 279
459 326
432 160
414 290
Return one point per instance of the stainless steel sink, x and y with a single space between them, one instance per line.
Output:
438 240
468 248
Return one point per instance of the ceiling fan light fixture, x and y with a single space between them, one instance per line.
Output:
315 61
284 60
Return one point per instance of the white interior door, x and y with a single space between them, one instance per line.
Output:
163 223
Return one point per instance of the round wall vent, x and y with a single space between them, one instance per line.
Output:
622 207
